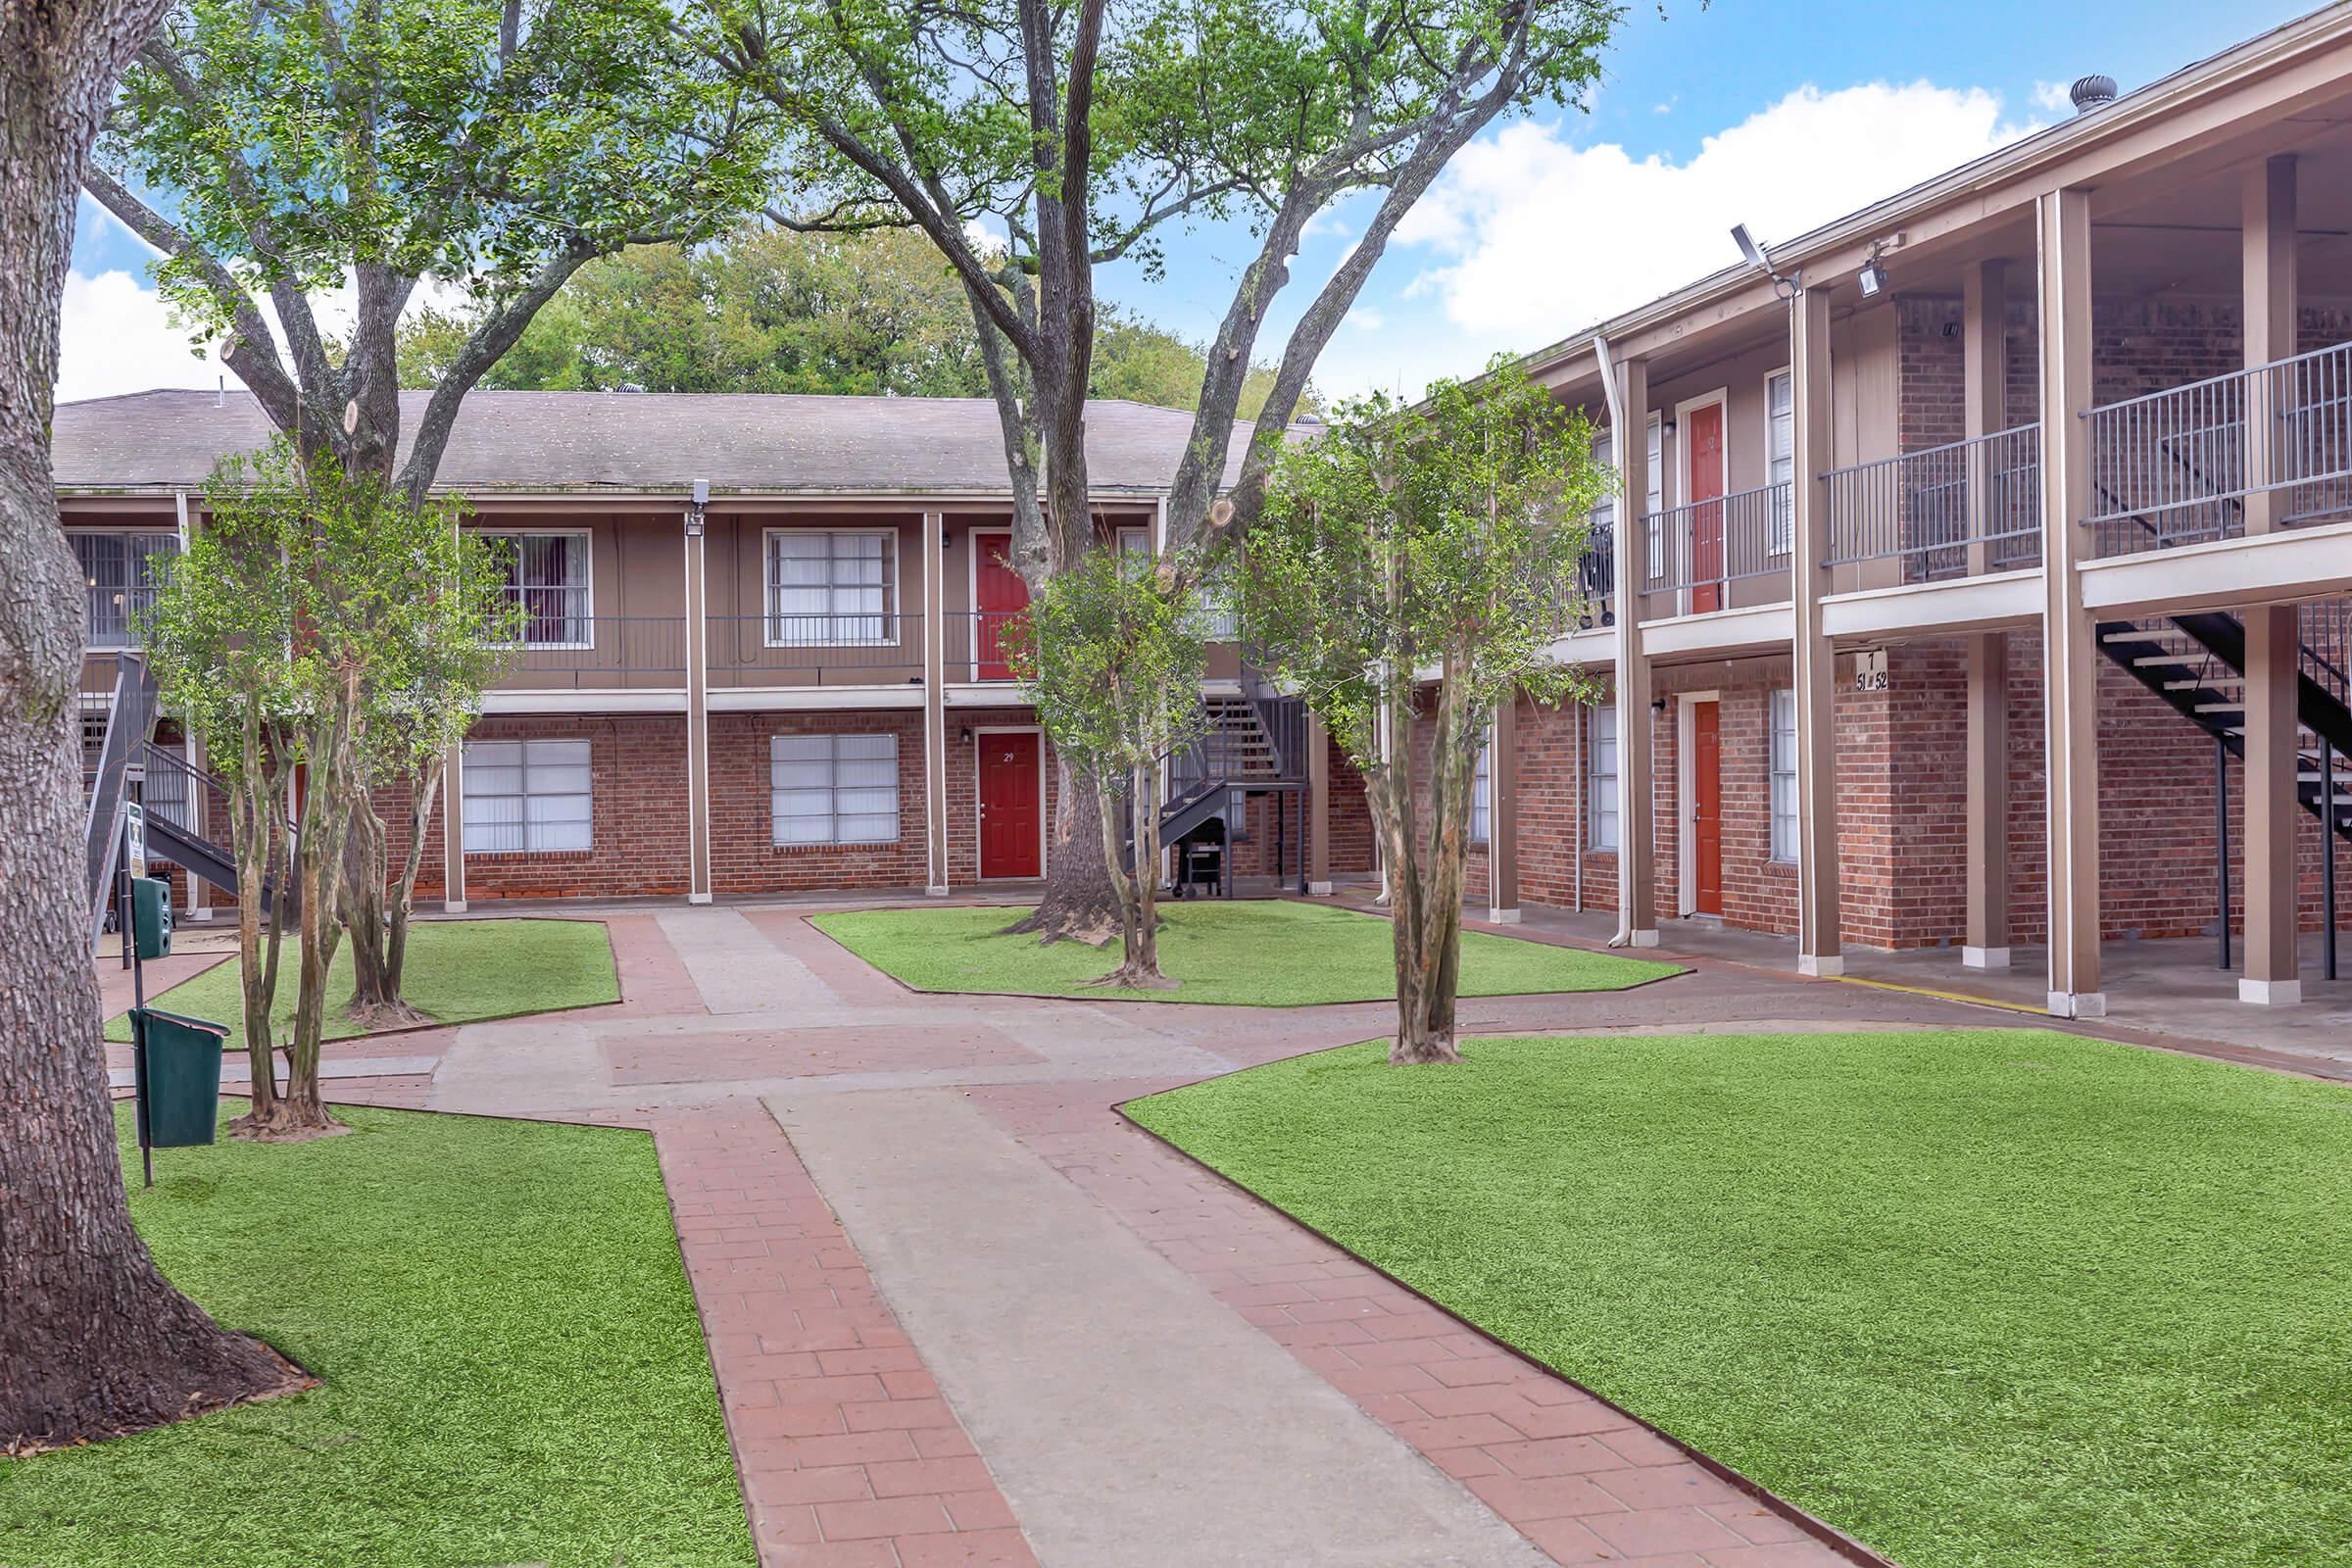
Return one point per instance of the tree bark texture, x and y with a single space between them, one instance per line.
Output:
93 1340
378 901
1424 855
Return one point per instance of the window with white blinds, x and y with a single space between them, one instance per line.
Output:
1654 500
526 797
547 574
1600 777
1784 775
831 588
121 571
1604 510
1779 455
834 788
1482 793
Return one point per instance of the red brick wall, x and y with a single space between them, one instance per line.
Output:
744 855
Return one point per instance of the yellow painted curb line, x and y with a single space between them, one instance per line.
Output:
1946 996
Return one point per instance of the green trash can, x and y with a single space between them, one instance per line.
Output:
183 1077
151 901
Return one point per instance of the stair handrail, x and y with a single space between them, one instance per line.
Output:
129 720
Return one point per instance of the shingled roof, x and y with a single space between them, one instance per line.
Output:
642 443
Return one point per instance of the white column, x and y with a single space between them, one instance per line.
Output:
1637 838
935 705
453 830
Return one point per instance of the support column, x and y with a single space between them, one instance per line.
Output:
1636 836
935 703
2271 978
1502 816
698 715
1984 378
1318 808
1988 766
453 830
1816 933
2268 259
2069 659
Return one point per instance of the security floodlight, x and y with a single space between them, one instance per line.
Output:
1749 248
702 493
1872 277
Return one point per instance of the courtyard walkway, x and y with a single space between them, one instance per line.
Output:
962 1312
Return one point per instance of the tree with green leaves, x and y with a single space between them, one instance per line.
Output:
1110 656
1080 134
277 150
1438 543
93 1340
316 624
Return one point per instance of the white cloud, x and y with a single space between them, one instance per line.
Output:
2055 97
116 336
1544 236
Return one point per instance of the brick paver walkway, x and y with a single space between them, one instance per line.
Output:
846 1452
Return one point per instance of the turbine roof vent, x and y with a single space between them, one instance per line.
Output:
2090 92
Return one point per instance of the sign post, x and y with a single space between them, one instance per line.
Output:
126 906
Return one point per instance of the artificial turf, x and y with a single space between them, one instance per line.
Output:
1257 954
458 971
514 1372
2002 1298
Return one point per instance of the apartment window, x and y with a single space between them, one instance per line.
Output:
1220 621
1600 777
121 572
525 797
1482 793
547 574
1780 456
834 788
1783 775
828 589
1653 499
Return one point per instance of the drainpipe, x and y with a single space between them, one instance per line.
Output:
1619 431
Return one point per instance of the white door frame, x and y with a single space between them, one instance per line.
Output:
1721 398
980 732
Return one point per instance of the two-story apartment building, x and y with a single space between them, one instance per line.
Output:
1981 576
800 683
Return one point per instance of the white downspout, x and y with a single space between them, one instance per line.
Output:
1623 641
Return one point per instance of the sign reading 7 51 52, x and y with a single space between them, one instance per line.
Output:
1870 671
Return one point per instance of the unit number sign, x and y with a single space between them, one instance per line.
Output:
1870 671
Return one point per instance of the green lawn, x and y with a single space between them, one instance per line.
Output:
1249 953
1996 1298
514 1370
458 971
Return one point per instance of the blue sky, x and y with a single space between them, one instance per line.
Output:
1779 115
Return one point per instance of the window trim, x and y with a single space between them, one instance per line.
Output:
1781 541
769 617
1774 773
1482 789
1654 500
897 793
587 617
467 794
1593 778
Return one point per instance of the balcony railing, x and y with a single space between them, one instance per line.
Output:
980 644
1597 576
857 648
1952 510
589 652
2180 466
1703 547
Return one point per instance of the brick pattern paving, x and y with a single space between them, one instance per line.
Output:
848 1454
1580 1479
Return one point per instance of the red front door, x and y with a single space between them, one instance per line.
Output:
1011 843
999 596
1702 439
1706 809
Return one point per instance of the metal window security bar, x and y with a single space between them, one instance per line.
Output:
1944 511
2174 466
547 574
1729 539
121 572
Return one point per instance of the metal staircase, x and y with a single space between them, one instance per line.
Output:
178 799
2197 663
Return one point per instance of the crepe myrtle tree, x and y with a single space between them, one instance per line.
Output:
1034 143
93 1340
1438 543
313 624
1110 655
275 149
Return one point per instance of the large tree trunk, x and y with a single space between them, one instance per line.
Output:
93 1340
1135 891
378 903
1424 853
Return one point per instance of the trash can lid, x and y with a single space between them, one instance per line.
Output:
185 1021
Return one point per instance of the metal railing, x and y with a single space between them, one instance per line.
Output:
2325 634
2179 466
855 648
1597 576
980 643
590 651
1704 546
1951 510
